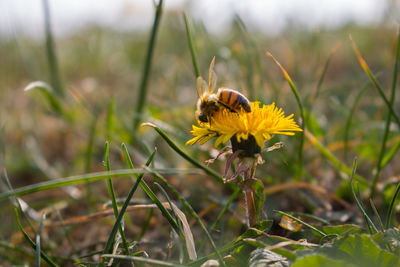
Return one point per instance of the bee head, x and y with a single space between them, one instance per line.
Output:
203 117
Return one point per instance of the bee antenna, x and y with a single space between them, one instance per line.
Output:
210 75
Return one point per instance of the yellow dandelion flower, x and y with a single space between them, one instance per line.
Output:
256 126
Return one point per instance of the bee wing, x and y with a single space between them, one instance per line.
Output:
200 86
212 77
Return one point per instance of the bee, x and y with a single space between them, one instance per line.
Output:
210 103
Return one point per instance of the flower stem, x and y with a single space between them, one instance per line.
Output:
250 208
249 195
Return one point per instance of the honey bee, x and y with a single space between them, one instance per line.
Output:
209 103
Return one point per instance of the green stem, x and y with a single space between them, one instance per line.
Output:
388 120
51 53
147 65
112 195
191 46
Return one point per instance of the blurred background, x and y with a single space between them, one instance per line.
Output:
269 17
100 50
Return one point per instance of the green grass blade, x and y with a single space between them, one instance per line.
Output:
47 91
29 240
378 217
210 172
178 223
112 195
249 61
191 46
90 177
390 210
150 193
256 57
366 69
39 232
164 193
111 237
299 103
144 260
390 154
319 232
312 217
141 100
388 119
349 121
368 220
334 160
51 53
193 213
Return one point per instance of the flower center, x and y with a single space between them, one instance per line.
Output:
248 146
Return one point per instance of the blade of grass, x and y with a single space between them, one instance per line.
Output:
256 56
299 103
377 215
368 220
388 157
186 237
349 121
91 177
319 232
141 100
388 119
312 217
39 232
16 202
191 46
210 172
150 193
366 69
225 249
193 213
248 57
334 160
112 195
47 91
29 240
111 237
51 53
390 210
152 262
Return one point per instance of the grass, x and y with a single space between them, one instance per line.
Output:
170 208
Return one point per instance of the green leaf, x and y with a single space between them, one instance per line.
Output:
320 260
358 250
264 257
341 229
390 239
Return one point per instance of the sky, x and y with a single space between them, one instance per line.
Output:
270 16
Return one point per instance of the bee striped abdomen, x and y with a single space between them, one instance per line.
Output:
233 100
